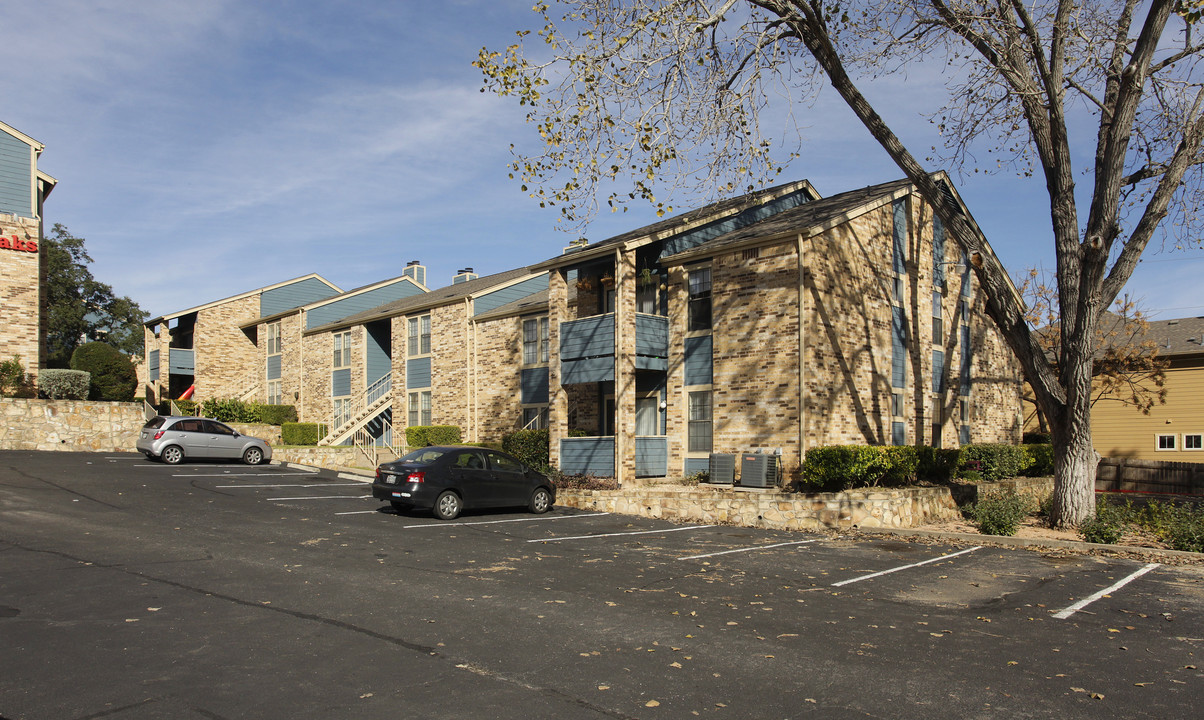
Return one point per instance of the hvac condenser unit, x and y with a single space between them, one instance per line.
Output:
723 468
758 470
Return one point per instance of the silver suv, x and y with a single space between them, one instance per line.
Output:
172 438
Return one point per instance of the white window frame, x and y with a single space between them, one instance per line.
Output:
1174 442
418 407
535 350
1199 442
341 354
273 341
275 392
418 336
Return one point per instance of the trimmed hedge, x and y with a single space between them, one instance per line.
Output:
113 375
294 433
418 436
530 446
65 384
1041 460
233 410
995 461
839 467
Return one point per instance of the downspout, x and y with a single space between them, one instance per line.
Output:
802 352
301 343
470 377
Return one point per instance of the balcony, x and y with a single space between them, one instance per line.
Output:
587 347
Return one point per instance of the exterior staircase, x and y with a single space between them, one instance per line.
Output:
360 411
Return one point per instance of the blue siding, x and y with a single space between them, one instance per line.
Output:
699 361
593 455
590 337
181 362
340 383
379 341
898 351
698 236
900 236
16 176
588 370
347 306
274 367
152 366
518 291
418 373
643 362
295 294
694 465
534 386
651 456
652 336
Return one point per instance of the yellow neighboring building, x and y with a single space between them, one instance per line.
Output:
1173 432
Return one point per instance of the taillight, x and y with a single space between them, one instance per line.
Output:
416 476
377 474
158 434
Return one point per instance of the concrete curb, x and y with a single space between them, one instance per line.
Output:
1152 554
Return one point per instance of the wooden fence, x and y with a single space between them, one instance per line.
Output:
1149 476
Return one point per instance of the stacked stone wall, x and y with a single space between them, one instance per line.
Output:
72 425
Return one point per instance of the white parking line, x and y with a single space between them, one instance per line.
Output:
747 549
494 522
639 532
325 497
905 567
256 485
248 474
1063 614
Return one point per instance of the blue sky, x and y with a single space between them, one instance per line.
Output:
205 149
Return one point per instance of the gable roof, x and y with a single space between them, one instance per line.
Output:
240 296
339 296
439 296
1179 336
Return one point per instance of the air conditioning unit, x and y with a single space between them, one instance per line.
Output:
723 468
758 470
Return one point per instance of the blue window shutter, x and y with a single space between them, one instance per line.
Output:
900 235
938 251
898 356
938 371
966 356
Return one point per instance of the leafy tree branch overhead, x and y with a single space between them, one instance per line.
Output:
647 99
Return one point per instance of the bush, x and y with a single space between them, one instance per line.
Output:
229 410
997 461
1000 513
1180 526
186 407
902 464
583 482
276 414
65 384
530 446
839 467
936 464
113 375
293 433
418 436
1036 438
13 380
1107 526
1041 460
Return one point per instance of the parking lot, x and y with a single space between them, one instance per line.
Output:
303 578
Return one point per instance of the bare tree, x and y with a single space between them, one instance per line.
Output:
1128 368
641 95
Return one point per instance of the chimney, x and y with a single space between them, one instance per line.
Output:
416 272
464 276
574 246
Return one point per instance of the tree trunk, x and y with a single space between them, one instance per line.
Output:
1075 462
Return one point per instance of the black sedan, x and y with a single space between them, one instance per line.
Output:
448 479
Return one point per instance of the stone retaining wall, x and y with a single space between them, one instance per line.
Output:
74 425
324 457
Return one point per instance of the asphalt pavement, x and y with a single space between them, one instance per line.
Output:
132 589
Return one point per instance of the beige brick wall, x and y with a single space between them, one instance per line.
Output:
315 404
224 355
449 367
498 372
19 292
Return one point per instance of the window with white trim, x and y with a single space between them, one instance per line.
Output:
698 304
1193 441
273 342
535 341
275 392
419 336
342 350
420 407
699 430
1166 442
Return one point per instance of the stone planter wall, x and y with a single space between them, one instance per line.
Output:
324 457
73 425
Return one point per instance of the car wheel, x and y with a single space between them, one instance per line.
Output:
541 501
172 455
447 506
252 456
400 508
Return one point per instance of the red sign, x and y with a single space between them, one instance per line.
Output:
19 245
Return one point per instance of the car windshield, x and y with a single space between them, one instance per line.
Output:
425 456
154 424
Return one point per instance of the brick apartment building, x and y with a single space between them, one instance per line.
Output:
23 188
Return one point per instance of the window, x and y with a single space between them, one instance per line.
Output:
647 416
535 417
1166 442
342 411
896 404
420 335
938 321
535 341
1193 442
937 422
420 408
342 350
699 303
275 392
938 371
273 343
699 430
501 463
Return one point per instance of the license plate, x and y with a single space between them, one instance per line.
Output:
391 479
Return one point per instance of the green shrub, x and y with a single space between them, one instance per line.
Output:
583 482
530 446
64 384
418 436
839 467
276 414
1000 513
229 410
1041 460
1180 526
902 464
113 376
1036 438
14 382
702 476
186 407
997 461
1107 526
936 463
970 476
302 433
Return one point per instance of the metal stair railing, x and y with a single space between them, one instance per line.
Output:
368 447
360 410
